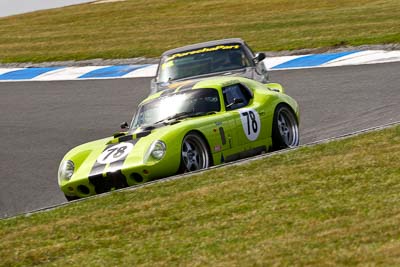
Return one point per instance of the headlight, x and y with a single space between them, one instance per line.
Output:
156 150
66 170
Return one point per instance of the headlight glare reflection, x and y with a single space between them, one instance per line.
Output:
66 170
158 150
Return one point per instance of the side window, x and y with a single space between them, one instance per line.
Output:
206 100
249 54
236 96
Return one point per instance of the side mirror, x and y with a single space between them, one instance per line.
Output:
259 57
124 125
153 86
260 66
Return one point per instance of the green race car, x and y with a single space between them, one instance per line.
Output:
198 124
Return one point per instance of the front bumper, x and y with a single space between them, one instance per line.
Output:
117 179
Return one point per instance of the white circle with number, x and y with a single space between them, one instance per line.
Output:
251 123
115 153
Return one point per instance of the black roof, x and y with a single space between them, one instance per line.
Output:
201 45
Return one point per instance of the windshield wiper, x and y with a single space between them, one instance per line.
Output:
175 116
180 115
184 114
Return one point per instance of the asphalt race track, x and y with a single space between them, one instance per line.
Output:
41 121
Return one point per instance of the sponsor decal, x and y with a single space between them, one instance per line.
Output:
202 50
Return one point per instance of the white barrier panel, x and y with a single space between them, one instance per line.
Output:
135 71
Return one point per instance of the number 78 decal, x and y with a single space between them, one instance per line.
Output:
251 123
115 153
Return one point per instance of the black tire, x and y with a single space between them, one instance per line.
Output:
71 198
195 154
285 128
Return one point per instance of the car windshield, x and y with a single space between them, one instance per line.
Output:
202 61
192 102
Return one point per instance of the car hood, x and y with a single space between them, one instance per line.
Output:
243 72
125 149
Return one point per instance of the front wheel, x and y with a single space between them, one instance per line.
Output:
285 129
195 154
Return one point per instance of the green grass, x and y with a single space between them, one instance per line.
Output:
331 204
148 27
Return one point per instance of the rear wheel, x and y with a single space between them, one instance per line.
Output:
195 154
285 129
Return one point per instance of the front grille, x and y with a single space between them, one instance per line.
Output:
83 189
113 180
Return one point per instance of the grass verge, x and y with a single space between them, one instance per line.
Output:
330 204
136 28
